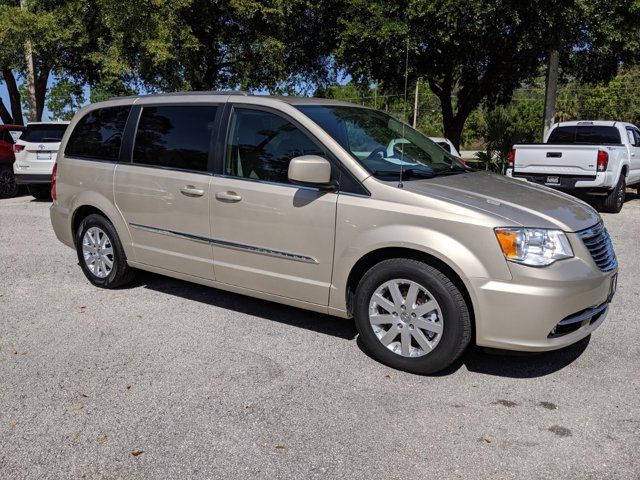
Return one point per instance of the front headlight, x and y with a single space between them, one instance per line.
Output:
533 246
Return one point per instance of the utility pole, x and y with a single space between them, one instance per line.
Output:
415 104
551 89
31 75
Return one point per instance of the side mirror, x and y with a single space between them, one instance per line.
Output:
311 170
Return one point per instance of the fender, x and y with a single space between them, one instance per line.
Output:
107 207
462 260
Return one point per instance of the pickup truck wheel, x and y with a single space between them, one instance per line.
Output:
8 185
615 199
411 317
100 253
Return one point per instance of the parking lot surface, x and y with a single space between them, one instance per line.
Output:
166 379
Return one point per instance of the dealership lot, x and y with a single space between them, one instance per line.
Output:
167 379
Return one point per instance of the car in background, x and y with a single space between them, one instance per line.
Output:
598 158
8 136
35 153
447 145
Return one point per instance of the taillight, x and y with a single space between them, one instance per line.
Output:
511 158
54 174
462 160
17 148
603 161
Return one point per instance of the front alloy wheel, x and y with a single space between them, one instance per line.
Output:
411 316
406 318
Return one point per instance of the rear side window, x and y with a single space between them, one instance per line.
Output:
43 133
175 136
585 134
99 134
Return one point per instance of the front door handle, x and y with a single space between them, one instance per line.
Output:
191 191
229 197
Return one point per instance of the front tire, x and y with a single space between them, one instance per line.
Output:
100 253
40 192
615 199
411 317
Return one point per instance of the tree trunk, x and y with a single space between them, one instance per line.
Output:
415 104
14 96
5 116
551 89
31 76
41 92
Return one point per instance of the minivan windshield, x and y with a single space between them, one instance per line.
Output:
44 133
382 144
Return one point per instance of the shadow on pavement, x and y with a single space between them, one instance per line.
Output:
316 322
497 362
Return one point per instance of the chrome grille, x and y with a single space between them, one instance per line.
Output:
598 242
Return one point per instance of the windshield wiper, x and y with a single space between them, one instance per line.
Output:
409 172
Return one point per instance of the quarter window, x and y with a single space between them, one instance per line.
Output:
175 136
99 134
261 145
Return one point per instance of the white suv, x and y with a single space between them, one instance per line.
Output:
35 152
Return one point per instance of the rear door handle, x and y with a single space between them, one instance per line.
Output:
191 191
229 197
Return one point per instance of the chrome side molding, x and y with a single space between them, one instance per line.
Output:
225 244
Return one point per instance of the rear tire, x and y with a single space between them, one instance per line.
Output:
40 192
615 199
433 326
100 253
8 186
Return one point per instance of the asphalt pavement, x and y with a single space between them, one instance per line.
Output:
167 379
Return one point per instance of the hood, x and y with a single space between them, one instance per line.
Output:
517 201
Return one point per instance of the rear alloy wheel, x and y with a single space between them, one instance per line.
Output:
615 199
410 316
8 186
100 253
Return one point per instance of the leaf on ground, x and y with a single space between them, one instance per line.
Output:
137 453
128 387
82 394
487 439
75 437
102 439
80 308
77 407
280 447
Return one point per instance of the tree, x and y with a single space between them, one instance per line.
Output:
589 40
41 37
204 44
64 99
467 51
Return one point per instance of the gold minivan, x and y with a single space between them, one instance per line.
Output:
335 208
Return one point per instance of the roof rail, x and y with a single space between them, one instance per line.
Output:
172 94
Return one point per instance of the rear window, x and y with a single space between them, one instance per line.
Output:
176 136
43 133
585 134
99 134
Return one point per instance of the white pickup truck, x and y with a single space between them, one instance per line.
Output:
593 157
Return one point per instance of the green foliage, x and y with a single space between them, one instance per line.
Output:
65 98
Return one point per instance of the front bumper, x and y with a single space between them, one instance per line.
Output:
33 179
524 313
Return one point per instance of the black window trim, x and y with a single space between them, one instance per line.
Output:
132 133
335 163
94 158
